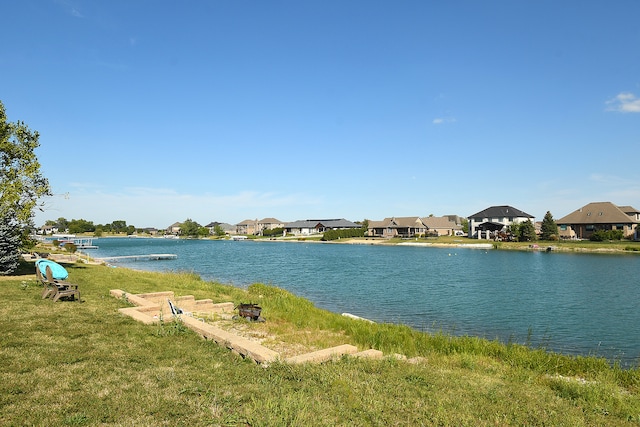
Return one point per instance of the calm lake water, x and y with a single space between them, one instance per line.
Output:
586 304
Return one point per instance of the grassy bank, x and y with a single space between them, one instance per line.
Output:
66 363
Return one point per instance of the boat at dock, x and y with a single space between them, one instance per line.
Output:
80 242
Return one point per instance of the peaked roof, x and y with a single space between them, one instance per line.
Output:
501 211
224 225
440 222
597 213
247 222
327 223
629 209
406 221
270 221
398 222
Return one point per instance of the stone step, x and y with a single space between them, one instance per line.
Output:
323 355
242 345
370 354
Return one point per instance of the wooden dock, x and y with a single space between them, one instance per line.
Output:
148 257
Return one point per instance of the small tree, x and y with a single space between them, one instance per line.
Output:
465 225
119 226
9 246
549 228
527 232
218 230
514 231
203 231
77 226
190 228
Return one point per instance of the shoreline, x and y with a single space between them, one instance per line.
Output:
560 247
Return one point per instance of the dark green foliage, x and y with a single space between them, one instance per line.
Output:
119 226
274 232
9 246
604 235
549 228
79 226
343 234
526 231
218 231
189 228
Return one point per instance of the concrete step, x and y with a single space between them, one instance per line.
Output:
323 355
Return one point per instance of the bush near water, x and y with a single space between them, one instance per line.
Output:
343 234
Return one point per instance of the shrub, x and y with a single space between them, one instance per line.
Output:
275 232
602 235
342 234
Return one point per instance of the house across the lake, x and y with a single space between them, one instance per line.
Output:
257 226
487 223
413 226
581 224
308 227
227 228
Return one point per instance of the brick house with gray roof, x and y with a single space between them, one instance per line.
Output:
581 223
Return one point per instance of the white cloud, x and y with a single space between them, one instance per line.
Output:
441 120
71 9
624 102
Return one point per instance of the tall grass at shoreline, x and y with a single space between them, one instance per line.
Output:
71 364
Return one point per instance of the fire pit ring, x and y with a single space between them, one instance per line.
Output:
250 311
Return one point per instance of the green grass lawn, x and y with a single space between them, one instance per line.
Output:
84 364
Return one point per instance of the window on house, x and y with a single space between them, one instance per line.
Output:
563 227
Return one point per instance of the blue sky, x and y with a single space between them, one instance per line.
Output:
153 112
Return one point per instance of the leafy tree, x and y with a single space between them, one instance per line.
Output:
71 247
21 185
119 226
77 226
218 230
549 228
514 231
203 231
465 225
62 224
190 228
526 231
273 232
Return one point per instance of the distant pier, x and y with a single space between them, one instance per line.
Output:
149 257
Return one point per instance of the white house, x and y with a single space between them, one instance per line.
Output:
486 223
